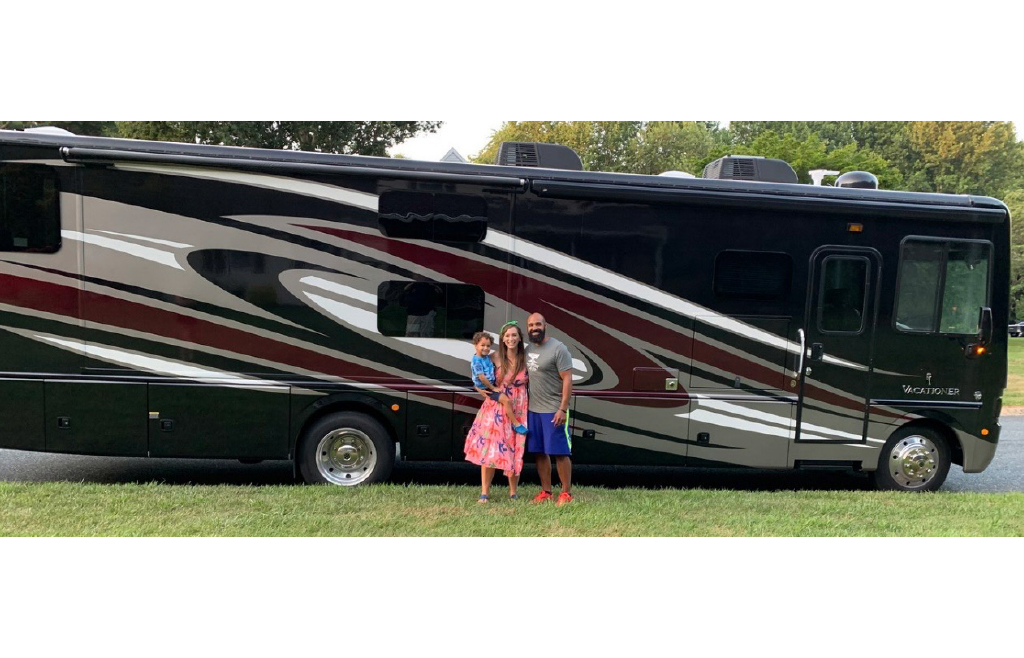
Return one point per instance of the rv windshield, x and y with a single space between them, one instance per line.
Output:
942 286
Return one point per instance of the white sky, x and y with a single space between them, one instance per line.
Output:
467 137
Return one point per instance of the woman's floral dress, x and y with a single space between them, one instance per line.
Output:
491 441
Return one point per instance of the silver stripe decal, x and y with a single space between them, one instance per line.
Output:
166 243
266 181
339 289
129 248
161 366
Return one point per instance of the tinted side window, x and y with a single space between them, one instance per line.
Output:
429 310
753 275
943 284
29 209
426 216
842 295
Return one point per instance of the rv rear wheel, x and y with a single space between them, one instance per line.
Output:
913 459
346 449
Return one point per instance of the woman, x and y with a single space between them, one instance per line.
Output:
492 443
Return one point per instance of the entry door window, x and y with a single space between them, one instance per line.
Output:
841 302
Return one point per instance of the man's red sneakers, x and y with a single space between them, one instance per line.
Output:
564 498
542 497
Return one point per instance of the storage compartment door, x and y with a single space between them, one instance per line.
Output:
194 420
96 418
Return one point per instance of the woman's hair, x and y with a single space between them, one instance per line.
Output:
482 334
503 356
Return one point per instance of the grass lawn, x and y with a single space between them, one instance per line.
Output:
1014 394
74 509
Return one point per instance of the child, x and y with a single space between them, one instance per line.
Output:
483 377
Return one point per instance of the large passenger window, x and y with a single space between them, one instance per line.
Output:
843 294
29 209
942 286
427 216
424 309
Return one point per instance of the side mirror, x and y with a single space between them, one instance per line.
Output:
985 325
975 350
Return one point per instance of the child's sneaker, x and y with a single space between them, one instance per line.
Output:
542 497
564 498
520 429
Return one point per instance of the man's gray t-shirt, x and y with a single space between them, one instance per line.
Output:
545 362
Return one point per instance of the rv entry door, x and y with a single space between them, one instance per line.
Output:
838 338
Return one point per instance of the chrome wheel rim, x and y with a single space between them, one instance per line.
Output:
914 462
345 456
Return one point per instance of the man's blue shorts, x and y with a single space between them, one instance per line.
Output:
545 437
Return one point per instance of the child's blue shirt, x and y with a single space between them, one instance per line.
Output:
482 365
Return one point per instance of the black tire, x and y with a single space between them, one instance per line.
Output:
913 459
345 449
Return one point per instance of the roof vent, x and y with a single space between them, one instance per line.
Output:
747 167
859 179
534 154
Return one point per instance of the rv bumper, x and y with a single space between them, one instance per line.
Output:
978 453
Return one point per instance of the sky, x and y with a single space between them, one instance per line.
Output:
467 137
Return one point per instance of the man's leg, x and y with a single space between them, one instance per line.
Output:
544 471
564 465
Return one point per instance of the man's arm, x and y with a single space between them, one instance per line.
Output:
563 406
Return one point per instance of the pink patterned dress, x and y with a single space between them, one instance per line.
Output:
491 441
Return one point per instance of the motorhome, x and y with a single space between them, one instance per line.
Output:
181 300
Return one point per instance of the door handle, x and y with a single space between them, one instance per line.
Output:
800 364
817 351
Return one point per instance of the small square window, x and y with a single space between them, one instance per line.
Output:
424 309
29 208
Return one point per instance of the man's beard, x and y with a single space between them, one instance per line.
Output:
537 336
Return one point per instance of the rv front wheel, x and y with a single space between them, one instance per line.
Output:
913 459
345 449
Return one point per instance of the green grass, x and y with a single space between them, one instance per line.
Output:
1014 394
72 509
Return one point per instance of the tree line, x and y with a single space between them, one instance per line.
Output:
351 137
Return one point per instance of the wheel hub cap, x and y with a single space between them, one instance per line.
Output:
346 456
913 462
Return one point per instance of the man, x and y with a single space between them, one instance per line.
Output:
550 366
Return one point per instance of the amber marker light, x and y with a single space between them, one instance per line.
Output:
394 407
974 351
984 432
855 228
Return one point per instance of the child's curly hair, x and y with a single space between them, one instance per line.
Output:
482 334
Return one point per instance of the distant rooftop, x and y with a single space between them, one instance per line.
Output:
453 156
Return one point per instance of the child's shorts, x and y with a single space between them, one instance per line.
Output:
547 438
496 396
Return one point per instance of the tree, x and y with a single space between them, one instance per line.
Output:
812 152
642 147
966 157
1015 202
600 144
673 146
833 133
353 137
93 128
